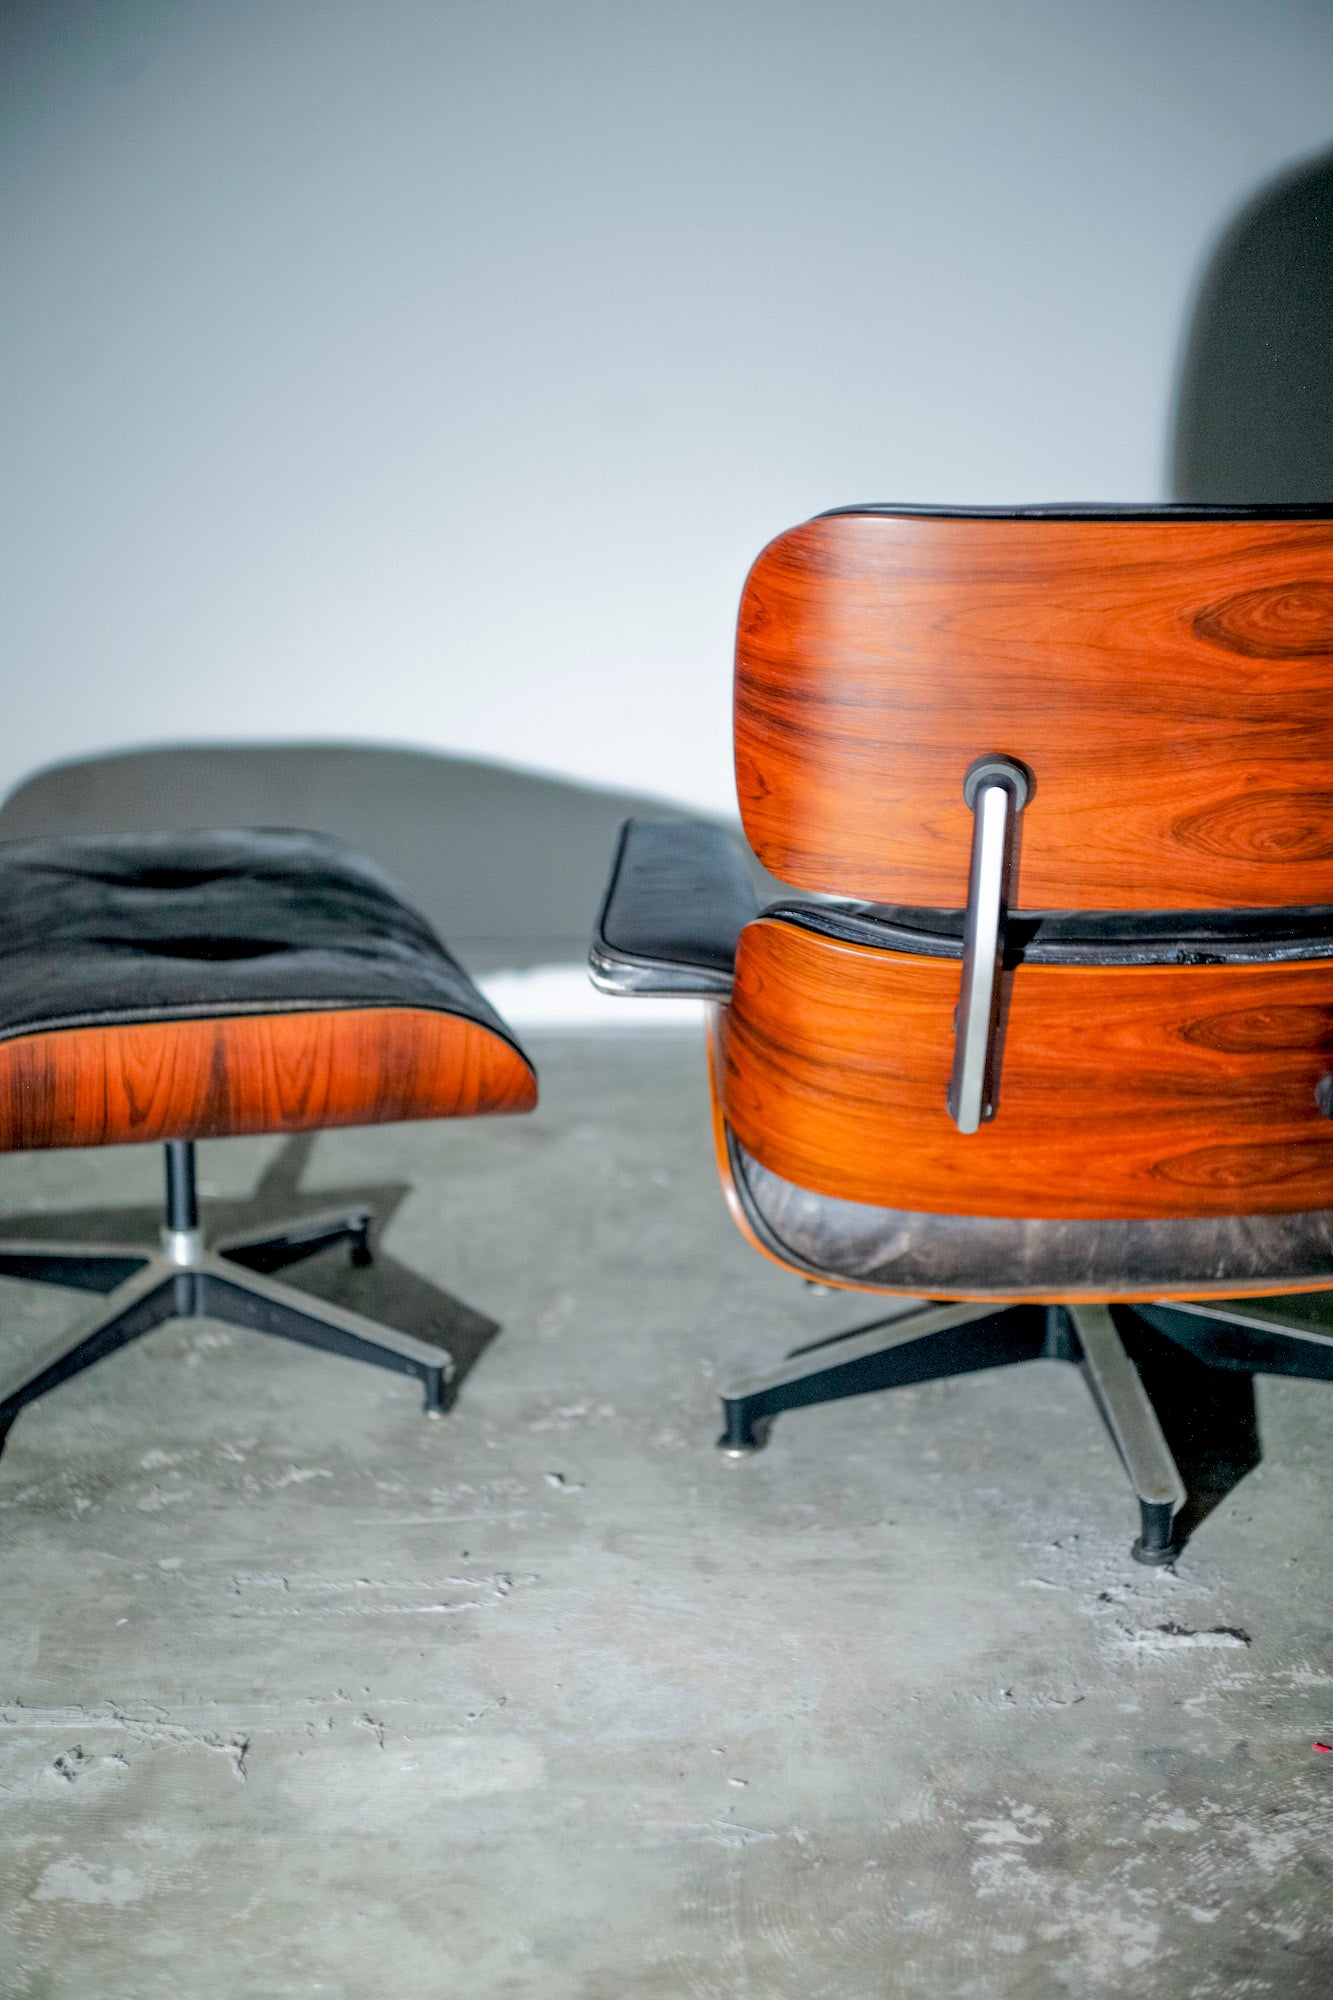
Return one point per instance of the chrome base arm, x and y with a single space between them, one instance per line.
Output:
918 1342
1123 1404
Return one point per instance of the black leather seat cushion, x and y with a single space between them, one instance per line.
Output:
177 926
902 1250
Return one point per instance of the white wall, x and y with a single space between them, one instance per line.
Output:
430 370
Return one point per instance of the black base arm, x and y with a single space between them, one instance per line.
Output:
1118 1353
232 1282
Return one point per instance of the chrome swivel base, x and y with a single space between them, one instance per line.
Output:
183 1280
922 1342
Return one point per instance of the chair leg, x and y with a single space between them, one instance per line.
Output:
83 1267
277 1245
255 1301
1260 1336
1129 1416
136 1306
924 1342
921 1342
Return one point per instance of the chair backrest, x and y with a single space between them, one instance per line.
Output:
1166 675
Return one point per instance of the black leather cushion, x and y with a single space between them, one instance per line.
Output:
175 926
902 1250
680 894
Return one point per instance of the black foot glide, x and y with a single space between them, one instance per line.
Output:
1156 1543
742 1432
184 1280
921 1342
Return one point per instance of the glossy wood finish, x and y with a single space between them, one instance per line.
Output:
1169 683
730 1192
1130 1091
1127 1293
253 1073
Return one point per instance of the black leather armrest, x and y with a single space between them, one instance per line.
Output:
680 894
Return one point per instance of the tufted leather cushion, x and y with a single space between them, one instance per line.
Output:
179 926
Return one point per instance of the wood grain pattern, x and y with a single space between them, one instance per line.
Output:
253 1073
1128 1091
730 1193
1125 1294
1170 684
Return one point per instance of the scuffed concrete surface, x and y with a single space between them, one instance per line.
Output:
303 1695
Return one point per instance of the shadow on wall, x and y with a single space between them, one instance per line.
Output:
509 867
1254 401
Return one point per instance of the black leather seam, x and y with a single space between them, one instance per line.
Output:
1090 510
1190 944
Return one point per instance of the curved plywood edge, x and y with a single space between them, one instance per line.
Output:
1169 683
1126 1091
217 1078
731 1194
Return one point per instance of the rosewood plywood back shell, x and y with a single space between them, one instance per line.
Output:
1169 682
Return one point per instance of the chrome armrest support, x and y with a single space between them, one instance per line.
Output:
997 789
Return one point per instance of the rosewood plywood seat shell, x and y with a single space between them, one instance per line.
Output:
1126 1091
180 986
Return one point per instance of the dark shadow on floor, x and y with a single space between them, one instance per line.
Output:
508 866
386 1290
1254 399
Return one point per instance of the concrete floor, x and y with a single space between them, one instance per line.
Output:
302 1694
